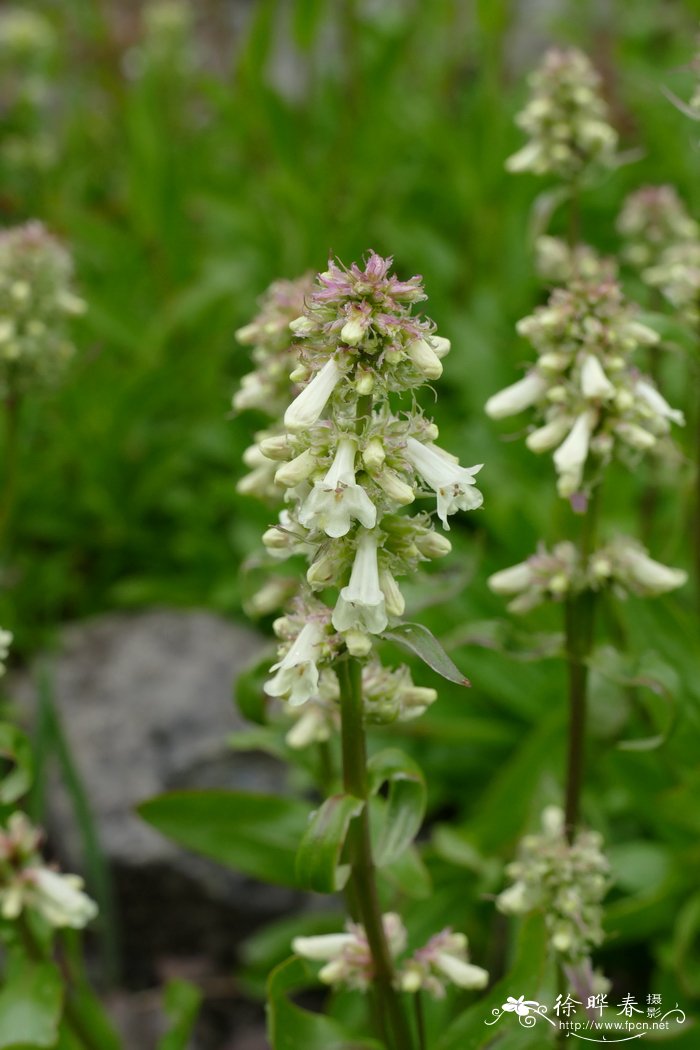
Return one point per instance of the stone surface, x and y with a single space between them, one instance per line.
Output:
146 706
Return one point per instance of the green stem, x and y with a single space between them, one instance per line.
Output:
420 1021
579 621
10 456
363 878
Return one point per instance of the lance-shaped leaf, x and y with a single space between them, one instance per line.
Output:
423 644
255 834
291 1028
405 806
318 857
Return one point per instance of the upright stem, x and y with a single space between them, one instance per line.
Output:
579 618
363 877
10 453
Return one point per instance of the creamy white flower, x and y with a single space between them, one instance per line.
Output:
453 484
461 973
549 435
310 403
424 358
632 566
658 403
362 604
335 501
594 382
514 398
570 457
311 727
296 470
440 345
512 580
297 673
395 603
635 435
60 898
323 947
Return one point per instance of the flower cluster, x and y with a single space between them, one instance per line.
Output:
545 576
267 388
348 961
26 882
443 959
565 881
623 564
677 275
591 400
353 456
557 263
626 565
35 302
313 693
565 118
652 219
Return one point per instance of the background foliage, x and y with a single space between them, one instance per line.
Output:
186 169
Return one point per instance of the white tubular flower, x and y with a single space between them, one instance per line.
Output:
513 580
443 958
454 485
347 955
635 435
513 399
395 603
334 502
570 457
395 487
657 403
440 345
310 403
550 435
564 881
361 603
297 674
60 898
296 470
425 358
595 385
631 566
313 726
323 947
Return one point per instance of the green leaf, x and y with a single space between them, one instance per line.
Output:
181 1001
405 802
318 856
15 747
526 976
30 1004
291 1028
255 834
418 640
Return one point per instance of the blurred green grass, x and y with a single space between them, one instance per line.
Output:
185 179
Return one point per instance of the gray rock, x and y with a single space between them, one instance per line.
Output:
146 706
